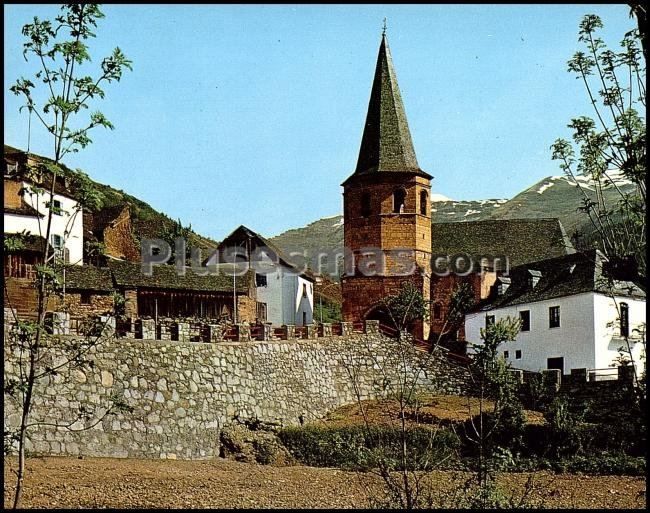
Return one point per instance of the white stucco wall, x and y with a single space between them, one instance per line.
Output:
573 340
283 296
588 336
607 329
67 221
304 303
272 296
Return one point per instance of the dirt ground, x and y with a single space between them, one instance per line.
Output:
59 482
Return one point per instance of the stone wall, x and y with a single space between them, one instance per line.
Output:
96 303
183 393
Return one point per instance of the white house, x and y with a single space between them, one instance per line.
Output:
26 209
284 293
570 317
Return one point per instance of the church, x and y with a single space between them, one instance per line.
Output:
389 234
386 207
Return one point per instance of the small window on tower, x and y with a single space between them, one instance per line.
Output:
437 311
399 196
424 198
304 290
86 298
365 204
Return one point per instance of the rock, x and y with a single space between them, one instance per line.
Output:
107 379
241 444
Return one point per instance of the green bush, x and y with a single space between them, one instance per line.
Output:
360 447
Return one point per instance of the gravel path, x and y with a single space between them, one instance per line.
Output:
58 482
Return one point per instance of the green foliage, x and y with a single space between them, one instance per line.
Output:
366 447
406 307
14 242
59 61
614 141
565 436
331 312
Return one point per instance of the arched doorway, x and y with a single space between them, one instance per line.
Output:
381 314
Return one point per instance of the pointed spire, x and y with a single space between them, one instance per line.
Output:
386 143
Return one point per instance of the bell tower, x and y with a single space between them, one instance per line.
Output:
386 207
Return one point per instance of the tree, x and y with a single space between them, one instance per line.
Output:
416 445
60 51
492 380
610 144
613 142
406 307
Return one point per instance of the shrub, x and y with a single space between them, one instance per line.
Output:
360 447
564 433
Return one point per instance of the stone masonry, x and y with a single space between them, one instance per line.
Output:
183 393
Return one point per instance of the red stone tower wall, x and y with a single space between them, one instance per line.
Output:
387 232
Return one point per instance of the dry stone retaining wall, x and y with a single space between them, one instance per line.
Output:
183 393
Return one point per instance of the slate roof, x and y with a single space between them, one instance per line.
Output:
242 233
386 143
521 240
23 210
88 277
130 275
567 275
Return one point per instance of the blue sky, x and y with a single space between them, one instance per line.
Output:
253 114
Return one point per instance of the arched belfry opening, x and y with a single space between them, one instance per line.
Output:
399 200
424 203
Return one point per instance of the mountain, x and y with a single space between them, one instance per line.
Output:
561 197
553 196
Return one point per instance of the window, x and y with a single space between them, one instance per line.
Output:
365 204
555 363
437 311
56 241
260 280
398 201
85 298
506 354
56 207
518 354
489 320
554 317
525 320
423 202
304 318
625 320
304 290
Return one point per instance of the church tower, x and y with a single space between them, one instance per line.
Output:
386 207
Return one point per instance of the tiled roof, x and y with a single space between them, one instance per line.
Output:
130 275
386 144
521 240
88 277
563 276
